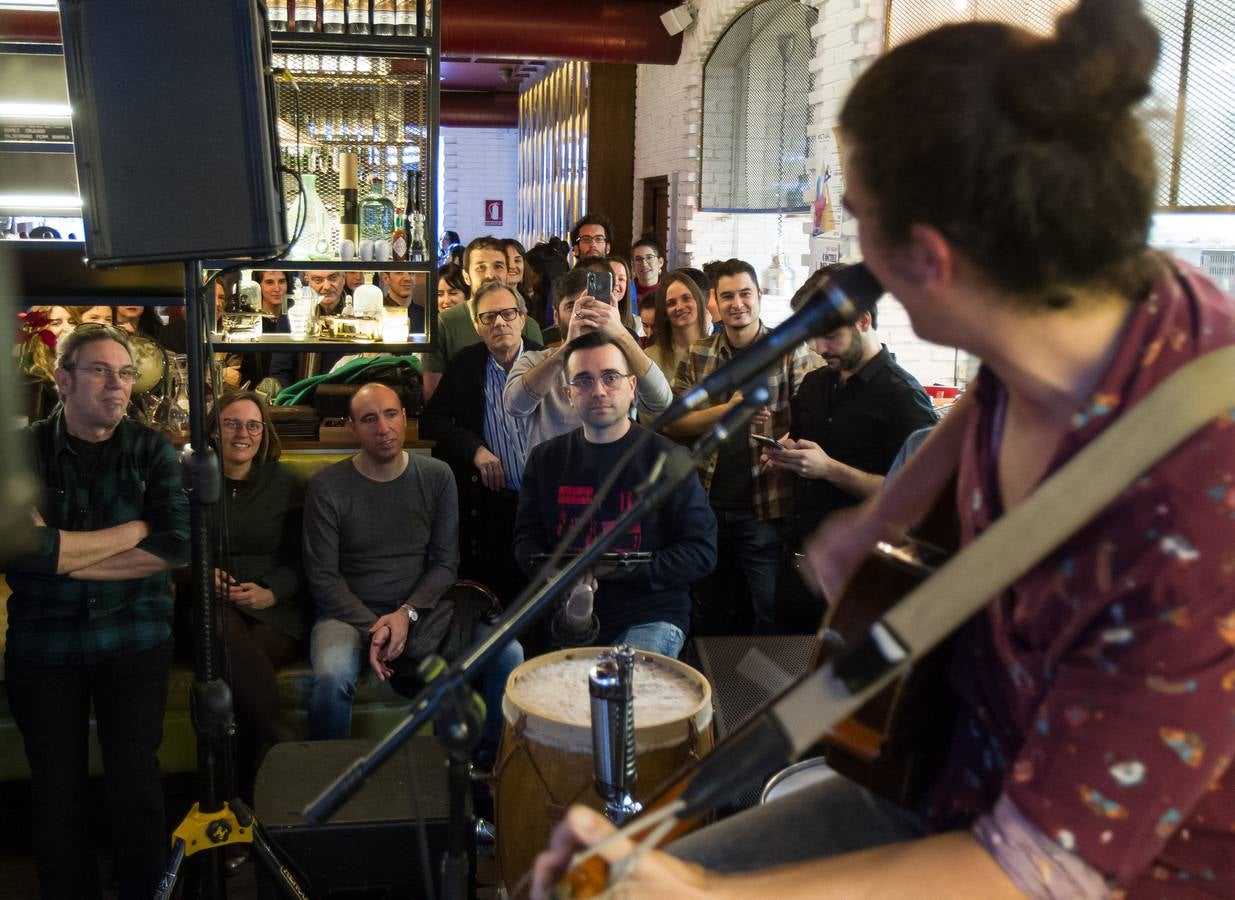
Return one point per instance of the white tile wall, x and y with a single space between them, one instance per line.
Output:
668 129
480 164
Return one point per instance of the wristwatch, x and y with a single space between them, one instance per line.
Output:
412 615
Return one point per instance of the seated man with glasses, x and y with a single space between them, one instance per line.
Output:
482 443
646 604
90 619
535 392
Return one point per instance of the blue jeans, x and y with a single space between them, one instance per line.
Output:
339 651
744 581
654 637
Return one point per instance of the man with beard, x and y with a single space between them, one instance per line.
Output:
848 421
647 606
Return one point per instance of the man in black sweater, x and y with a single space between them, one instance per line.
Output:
646 605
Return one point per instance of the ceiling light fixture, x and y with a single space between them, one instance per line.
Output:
35 111
39 201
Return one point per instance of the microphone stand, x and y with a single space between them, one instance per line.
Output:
438 700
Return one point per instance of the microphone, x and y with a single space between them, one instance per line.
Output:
840 300
574 624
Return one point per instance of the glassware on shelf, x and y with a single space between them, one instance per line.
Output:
276 15
358 16
778 279
384 17
405 18
377 213
306 15
175 414
314 239
300 313
333 19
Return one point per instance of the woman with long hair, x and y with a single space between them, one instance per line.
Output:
1003 184
259 573
681 319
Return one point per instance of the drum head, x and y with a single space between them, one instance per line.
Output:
150 360
551 693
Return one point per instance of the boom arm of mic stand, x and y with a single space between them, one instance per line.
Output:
679 466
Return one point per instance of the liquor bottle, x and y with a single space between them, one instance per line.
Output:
377 213
276 14
405 18
306 15
398 240
332 17
349 220
358 16
384 17
418 218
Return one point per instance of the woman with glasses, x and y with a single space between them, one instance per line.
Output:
258 573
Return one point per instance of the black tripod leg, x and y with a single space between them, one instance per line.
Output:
293 883
456 864
167 883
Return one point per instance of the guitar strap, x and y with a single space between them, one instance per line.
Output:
1188 399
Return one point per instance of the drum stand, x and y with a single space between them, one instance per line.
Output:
445 684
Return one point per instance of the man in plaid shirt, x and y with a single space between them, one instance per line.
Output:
749 501
90 619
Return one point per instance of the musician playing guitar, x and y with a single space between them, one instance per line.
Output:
1004 191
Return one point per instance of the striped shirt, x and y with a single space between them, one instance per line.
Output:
505 435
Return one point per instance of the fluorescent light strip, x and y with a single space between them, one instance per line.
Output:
35 110
40 201
28 5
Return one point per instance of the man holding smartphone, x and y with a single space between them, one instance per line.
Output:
646 605
535 390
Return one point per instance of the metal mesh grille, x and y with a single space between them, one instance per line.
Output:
374 106
756 110
1195 149
553 153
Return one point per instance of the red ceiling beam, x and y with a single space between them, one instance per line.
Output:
617 31
479 109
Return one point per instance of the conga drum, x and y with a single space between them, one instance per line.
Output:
545 760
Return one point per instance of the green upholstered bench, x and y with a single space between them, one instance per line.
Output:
377 708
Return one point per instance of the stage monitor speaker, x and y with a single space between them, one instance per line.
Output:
174 129
367 851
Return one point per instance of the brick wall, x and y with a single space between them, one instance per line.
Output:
479 164
669 124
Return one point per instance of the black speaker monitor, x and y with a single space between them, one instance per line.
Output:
174 129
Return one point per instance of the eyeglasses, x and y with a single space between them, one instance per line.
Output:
318 280
591 240
127 374
649 259
609 379
488 318
252 426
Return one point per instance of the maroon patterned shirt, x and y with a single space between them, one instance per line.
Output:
1099 691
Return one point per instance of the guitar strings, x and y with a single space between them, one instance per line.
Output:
623 867
633 827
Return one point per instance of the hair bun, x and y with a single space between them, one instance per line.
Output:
1089 75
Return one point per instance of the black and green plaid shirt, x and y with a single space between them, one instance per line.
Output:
57 619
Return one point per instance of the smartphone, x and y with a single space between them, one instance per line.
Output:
600 285
764 441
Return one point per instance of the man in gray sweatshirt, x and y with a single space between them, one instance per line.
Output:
381 546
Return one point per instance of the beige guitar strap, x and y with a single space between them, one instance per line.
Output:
1183 403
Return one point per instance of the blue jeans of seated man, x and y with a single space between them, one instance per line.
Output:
339 652
654 637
